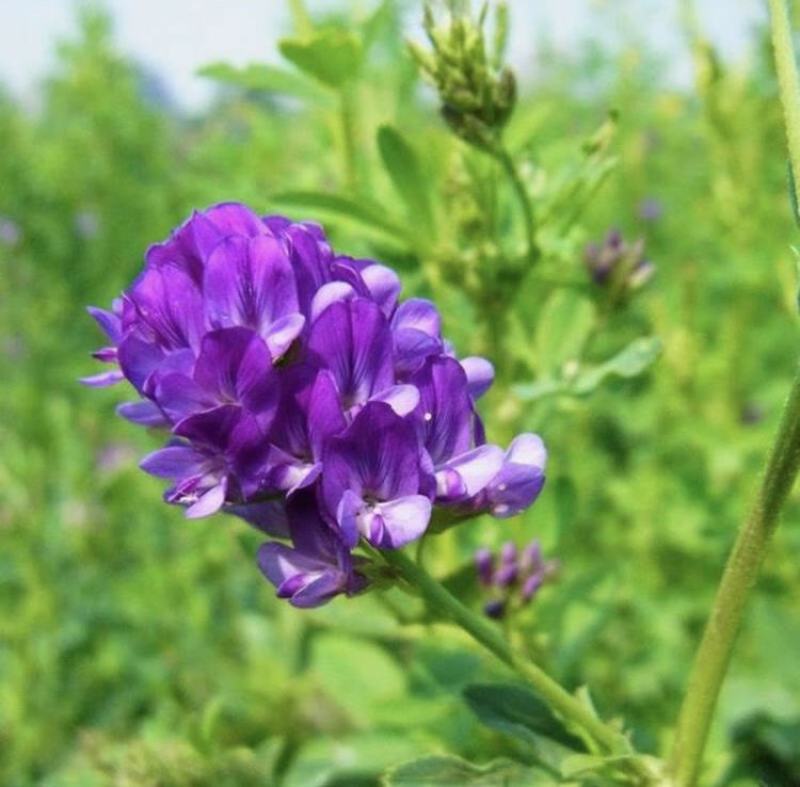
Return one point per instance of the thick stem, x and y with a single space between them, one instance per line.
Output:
714 653
558 698
503 156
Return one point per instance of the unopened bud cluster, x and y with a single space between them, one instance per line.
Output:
513 577
617 263
477 94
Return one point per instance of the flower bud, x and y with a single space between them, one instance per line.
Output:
477 94
484 564
617 264
495 609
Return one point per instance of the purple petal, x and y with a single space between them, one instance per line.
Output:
109 323
103 379
143 412
383 285
192 243
174 462
352 340
480 375
138 359
412 348
377 455
212 428
403 399
404 520
209 503
250 283
514 489
310 256
221 220
319 591
521 480
235 365
325 416
280 563
527 449
306 581
269 516
179 397
445 409
475 470
419 314
350 506
105 355
330 293
282 333
289 474
165 303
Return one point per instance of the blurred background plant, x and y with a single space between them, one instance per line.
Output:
136 648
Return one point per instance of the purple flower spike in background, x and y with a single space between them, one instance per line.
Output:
512 579
617 264
300 394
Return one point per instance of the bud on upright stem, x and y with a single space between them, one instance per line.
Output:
477 93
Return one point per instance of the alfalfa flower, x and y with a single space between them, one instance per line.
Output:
298 393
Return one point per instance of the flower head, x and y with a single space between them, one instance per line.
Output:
301 395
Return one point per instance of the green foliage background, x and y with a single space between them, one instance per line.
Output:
137 648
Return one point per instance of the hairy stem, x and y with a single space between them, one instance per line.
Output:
559 699
714 653
526 208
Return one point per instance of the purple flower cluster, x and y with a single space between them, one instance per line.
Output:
513 578
615 262
301 395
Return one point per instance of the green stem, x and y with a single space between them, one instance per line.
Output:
504 158
786 67
714 653
559 699
348 131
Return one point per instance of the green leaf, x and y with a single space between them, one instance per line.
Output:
545 386
403 166
369 215
353 759
356 673
581 764
517 711
331 56
630 362
262 77
606 771
565 324
446 771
